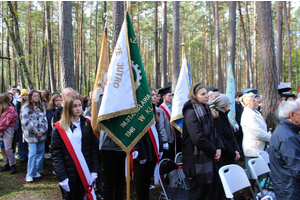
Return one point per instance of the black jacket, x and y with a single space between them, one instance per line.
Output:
226 134
194 136
145 147
284 149
57 114
63 164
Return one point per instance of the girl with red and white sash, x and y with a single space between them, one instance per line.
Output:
74 152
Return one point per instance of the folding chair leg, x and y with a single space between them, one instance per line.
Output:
252 193
259 188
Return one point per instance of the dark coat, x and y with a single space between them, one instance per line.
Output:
146 149
49 115
57 114
284 149
238 112
226 134
195 135
63 164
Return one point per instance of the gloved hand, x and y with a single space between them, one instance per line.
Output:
143 161
166 146
94 176
65 185
135 154
237 127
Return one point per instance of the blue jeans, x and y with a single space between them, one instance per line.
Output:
22 147
35 158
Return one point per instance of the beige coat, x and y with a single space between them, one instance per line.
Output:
255 132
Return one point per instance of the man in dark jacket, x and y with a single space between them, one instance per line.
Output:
285 153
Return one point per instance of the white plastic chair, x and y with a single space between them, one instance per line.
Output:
258 167
264 155
234 178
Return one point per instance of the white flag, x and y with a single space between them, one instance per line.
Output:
181 94
119 94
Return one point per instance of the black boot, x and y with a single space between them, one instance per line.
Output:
13 169
5 168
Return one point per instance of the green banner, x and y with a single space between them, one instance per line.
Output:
126 130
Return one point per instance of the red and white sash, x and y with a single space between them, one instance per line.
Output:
168 114
166 110
154 139
155 142
79 160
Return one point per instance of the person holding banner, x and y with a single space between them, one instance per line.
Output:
74 152
149 152
202 146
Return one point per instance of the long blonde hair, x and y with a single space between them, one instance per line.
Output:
66 116
154 107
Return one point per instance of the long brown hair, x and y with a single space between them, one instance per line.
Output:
51 105
154 107
30 104
4 102
193 91
66 115
45 95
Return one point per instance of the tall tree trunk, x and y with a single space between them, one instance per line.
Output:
232 34
155 61
168 59
8 55
164 45
249 46
175 44
279 41
255 79
15 36
29 35
44 51
211 50
219 80
2 40
246 47
76 49
138 22
36 56
96 35
296 63
118 17
268 64
90 42
66 44
50 49
289 40
81 51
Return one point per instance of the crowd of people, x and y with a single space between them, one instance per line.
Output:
57 126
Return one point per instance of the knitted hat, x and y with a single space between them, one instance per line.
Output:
24 91
220 100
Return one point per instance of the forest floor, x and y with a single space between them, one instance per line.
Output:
14 186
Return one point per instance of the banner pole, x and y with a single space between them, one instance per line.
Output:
128 177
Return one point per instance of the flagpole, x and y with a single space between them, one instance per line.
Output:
128 177
183 50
